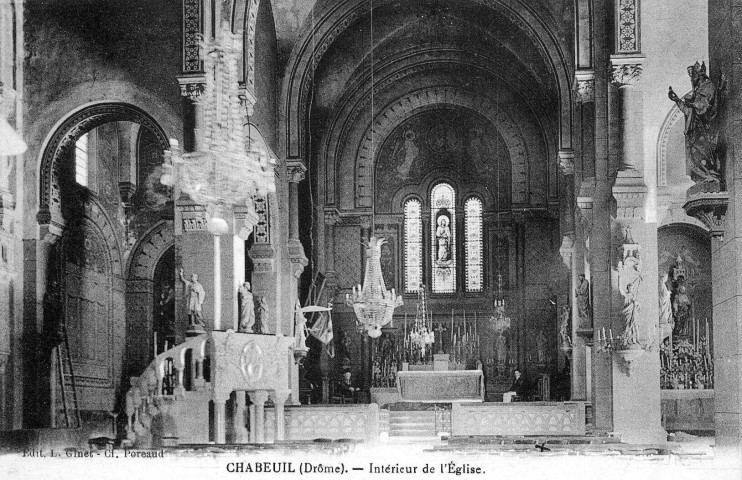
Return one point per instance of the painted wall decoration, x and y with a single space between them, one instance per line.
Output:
462 144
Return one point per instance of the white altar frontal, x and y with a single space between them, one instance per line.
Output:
433 386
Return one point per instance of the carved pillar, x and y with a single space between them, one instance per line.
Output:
634 296
279 400
259 397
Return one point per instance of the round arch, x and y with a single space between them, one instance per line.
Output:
332 19
65 135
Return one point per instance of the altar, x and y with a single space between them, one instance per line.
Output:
432 386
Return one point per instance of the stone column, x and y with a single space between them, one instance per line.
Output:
625 73
279 400
239 417
251 413
259 397
220 430
567 251
332 218
296 173
634 292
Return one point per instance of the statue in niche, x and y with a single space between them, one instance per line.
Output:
564 336
665 299
247 308
407 153
700 107
443 239
582 294
196 295
261 316
682 312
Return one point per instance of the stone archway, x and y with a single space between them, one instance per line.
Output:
331 20
50 216
140 294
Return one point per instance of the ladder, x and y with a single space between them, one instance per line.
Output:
68 388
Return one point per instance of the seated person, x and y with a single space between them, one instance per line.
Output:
346 385
517 388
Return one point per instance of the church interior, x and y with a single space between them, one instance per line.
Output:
248 222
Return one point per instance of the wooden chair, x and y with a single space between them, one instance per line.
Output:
340 395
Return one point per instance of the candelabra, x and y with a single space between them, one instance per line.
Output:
422 335
627 345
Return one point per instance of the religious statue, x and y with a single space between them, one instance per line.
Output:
681 309
564 336
167 312
582 294
196 295
700 107
247 308
261 315
630 311
541 347
300 327
443 238
665 299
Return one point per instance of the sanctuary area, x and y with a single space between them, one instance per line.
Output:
256 222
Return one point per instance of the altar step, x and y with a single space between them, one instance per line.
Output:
412 424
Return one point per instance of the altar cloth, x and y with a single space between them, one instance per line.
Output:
441 386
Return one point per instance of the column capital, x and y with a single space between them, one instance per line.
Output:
332 216
567 161
279 396
626 71
192 86
258 397
367 221
296 170
585 86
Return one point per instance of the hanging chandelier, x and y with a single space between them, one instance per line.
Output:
422 335
231 164
372 303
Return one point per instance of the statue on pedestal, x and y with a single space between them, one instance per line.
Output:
300 327
665 299
582 294
247 308
630 312
196 295
564 334
681 309
261 315
700 107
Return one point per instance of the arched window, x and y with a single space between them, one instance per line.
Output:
473 244
81 160
443 238
413 245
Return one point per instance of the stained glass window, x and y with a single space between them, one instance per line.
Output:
81 160
443 238
473 244
413 245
